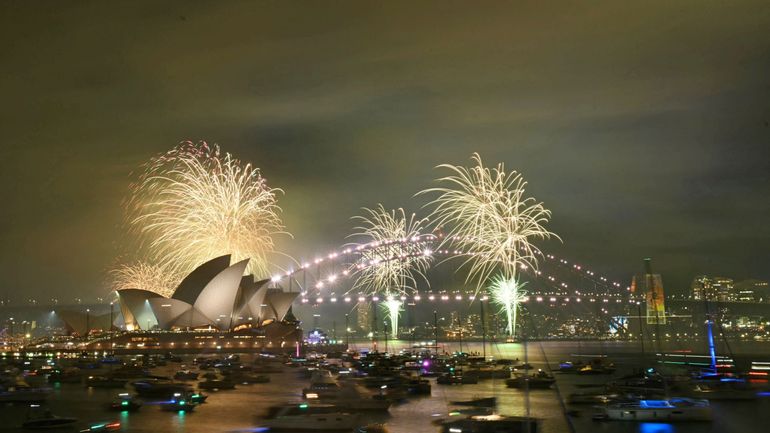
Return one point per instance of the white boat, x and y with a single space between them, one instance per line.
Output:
668 410
310 418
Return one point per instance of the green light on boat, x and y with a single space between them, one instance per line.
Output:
125 403
303 406
181 402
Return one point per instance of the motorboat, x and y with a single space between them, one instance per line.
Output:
197 397
667 410
186 375
43 419
723 390
540 380
323 390
597 397
491 424
477 402
310 418
417 386
178 406
124 401
217 384
105 382
457 379
21 392
159 388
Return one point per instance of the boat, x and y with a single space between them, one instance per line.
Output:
43 419
491 424
723 391
124 401
477 402
540 380
197 397
218 384
309 418
186 375
179 402
105 382
597 366
23 393
417 386
321 390
457 379
159 388
667 410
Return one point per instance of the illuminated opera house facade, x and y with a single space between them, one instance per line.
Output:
215 299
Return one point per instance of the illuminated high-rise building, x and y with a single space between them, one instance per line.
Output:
363 316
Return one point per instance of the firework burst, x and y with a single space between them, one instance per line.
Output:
489 219
394 259
144 276
507 293
194 203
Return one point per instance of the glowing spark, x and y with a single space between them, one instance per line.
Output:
489 219
143 276
193 204
507 293
393 262
393 309
389 268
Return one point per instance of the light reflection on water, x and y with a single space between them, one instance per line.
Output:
237 410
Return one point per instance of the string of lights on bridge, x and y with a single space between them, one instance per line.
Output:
425 241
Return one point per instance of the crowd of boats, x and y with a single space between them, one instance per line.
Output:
342 390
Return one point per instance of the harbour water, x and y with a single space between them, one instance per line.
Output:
237 410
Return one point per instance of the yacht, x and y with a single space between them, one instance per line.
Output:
186 375
323 390
125 401
491 424
23 393
540 380
668 410
730 390
179 403
219 384
159 388
310 418
105 382
43 419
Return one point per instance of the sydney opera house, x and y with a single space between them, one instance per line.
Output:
215 295
214 306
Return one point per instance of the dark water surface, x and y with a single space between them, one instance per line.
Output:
236 410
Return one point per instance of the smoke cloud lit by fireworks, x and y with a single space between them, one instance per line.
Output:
194 203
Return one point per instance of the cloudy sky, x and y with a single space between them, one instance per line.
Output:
644 126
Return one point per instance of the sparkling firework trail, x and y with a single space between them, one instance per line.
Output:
397 259
143 276
507 293
194 203
489 218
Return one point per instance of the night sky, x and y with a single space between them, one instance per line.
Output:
643 126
